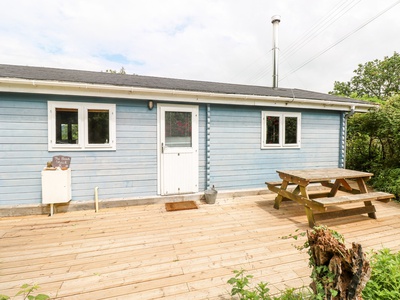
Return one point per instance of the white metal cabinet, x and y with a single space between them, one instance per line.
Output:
56 186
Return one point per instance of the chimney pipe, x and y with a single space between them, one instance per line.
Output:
275 22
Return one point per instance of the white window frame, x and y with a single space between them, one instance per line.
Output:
282 116
83 137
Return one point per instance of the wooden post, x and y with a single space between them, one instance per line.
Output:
279 198
310 216
363 189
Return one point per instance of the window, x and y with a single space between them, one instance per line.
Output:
81 126
178 129
280 130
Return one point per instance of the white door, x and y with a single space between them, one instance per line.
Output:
178 149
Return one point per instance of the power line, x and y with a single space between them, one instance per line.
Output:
325 24
341 40
320 26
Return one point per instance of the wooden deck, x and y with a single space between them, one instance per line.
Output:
144 252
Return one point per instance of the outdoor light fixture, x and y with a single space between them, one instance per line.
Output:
150 104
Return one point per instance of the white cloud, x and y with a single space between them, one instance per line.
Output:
216 40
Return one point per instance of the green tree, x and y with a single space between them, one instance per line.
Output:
378 79
383 129
373 138
373 145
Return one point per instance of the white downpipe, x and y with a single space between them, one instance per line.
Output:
96 198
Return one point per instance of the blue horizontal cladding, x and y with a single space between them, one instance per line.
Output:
237 160
128 172
23 144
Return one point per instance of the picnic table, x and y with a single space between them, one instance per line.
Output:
318 205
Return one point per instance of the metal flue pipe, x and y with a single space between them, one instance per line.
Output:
275 23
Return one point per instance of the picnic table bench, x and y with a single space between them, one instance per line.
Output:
316 205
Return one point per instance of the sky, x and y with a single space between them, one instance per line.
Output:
231 41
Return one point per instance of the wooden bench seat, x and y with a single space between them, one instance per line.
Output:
273 185
276 183
374 196
279 182
319 204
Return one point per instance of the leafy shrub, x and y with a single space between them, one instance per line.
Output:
26 291
373 141
241 288
384 283
387 180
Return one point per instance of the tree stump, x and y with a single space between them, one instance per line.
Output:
339 273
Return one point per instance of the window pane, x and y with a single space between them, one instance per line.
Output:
98 126
66 126
178 129
272 130
291 130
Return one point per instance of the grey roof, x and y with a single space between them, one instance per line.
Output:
89 77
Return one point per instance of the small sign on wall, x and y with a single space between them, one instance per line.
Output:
61 161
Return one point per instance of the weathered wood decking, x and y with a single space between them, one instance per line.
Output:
144 252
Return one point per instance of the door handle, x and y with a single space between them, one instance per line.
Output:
162 148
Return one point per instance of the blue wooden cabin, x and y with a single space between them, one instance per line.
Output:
137 136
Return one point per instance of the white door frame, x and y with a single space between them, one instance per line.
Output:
161 108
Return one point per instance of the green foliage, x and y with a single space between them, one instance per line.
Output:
241 288
373 143
295 294
26 291
387 180
384 283
374 138
296 237
374 79
321 276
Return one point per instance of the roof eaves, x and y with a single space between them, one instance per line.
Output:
102 84
162 94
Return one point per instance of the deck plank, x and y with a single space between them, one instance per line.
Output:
144 252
